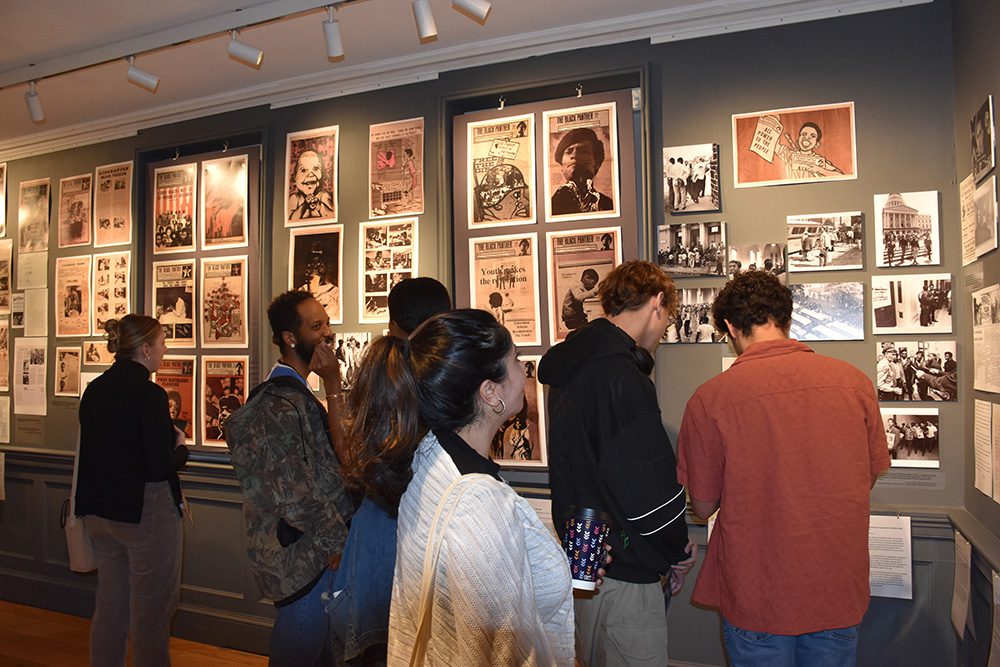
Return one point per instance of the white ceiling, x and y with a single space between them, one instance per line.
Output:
380 39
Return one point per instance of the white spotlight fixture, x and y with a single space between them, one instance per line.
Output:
34 103
331 32
478 9
425 19
141 77
246 54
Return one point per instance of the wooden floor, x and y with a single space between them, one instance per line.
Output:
31 637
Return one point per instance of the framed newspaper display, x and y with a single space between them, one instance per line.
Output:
577 262
72 305
501 171
396 168
223 392
223 293
175 208
178 375
503 279
173 300
113 204
520 442
74 210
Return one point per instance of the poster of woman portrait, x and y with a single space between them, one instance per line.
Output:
224 203
396 168
74 210
315 265
796 145
311 176
520 441
501 164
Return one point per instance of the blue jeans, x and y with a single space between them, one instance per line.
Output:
299 637
826 648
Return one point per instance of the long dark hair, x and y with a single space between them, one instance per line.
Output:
406 386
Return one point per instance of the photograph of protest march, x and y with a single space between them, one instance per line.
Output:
828 311
983 140
692 249
826 241
798 145
693 323
906 229
520 441
691 179
769 257
919 304
913 436
916 370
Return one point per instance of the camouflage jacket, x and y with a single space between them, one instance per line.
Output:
285 463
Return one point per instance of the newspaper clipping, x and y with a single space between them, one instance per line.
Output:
520 441
29 376
501 163
224 203
224 390
224 301
311 189
74 210
396 168
174 206
17 310
6 277
986 339
4 354
177 376
173 300
33 216
112 296
67 371
113 205
577 262
72 305
503 276
581 163
315 265
390 255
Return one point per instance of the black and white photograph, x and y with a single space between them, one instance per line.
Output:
983 140
911 304
693 323
913 436
692 249
826 241
828 311
315 265
906 229
909 370
350 348
691 179
385 245
67 371
769 257
985 204
520 441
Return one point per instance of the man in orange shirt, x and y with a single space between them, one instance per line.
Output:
786 444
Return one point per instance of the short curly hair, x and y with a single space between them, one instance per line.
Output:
630 285
751 299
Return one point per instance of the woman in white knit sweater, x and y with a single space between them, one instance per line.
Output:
497 589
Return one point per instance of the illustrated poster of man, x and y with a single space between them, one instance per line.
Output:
311 176
177 376
908 370
223 392
224 203
578 261
95 353
224 301
388 255
769 257
173 300
111 288
913 435
501 171
983 140
828 311
74 210
315 265
693 249
691 179
33 216
72 307
694 316
174 208
581 169
520 441
503 279
113 204
6 276
67 371
906 229
917 304
797 145
4 354
826 241
396 168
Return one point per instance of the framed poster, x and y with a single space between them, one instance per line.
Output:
500 158
178 375
795 145
396 168
111 288
503 279
68 371
520 442
113 204
173 300
311 188
577 261
33 216
224 203
826 241
911 304
581 163
983 140
389 252
692 249
174 208
223 293
315 265
72 305
223 391
906 229
74 210
828 311
691 179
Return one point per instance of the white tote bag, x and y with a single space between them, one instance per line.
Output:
78 542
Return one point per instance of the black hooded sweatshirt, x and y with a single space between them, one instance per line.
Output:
608 449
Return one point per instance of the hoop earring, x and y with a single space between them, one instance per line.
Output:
503 407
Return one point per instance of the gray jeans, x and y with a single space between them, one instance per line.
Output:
138 582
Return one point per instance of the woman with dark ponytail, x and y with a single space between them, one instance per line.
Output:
478 579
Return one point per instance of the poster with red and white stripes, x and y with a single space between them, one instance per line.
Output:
174 209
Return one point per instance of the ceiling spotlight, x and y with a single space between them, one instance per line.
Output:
477 9
141 77
246 54
334 41
425 19
34 103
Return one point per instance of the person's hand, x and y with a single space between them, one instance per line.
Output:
685 565
179 437
324 363
676 582
607 561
